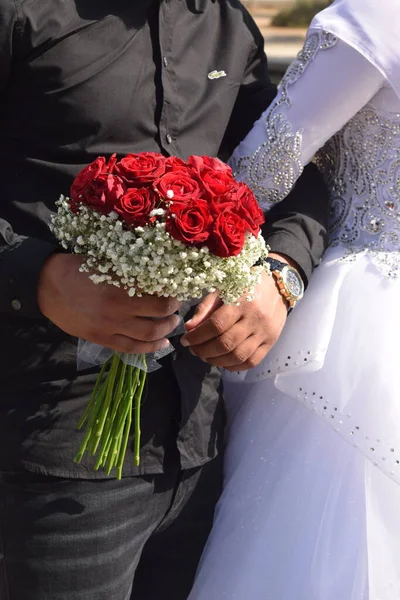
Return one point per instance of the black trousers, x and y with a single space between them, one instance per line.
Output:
136 539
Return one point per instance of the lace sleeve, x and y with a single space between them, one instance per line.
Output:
327 84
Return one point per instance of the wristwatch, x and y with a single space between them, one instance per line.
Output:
288 280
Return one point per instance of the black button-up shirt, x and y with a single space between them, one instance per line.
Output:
80 79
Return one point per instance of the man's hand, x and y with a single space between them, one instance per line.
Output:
103 314
237 337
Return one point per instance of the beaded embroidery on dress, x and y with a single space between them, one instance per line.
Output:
276 165
361 165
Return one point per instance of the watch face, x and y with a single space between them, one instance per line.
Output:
294 284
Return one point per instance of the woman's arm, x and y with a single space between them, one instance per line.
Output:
297 227
322 90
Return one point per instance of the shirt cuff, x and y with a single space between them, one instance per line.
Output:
20 267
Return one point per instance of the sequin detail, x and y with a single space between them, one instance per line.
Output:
361 166
276 165
381 452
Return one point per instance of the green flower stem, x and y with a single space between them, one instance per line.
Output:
87 440
107 451
124 437
138 403
117 450
120 388
112 374
93 398
108 416
112 455
96 415
130 385
107 432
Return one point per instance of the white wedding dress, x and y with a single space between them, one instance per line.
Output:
311 501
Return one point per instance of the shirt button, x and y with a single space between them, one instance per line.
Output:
165 61
16 304
169 138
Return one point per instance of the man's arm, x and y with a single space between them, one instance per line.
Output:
21 261
21 258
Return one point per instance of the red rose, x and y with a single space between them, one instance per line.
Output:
86 176
112 161
217 183
189 223
179 186
103 193
207 163
218 204
229 199
136 205
141 168
173 163
249 209
227 236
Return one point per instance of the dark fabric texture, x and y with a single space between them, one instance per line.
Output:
135 539
80 79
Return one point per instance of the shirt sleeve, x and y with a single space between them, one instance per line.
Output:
21 257
322 90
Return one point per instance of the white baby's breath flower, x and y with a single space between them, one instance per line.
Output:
157 212
149 260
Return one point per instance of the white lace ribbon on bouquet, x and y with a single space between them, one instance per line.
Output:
90 354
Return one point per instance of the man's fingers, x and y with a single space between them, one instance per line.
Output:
253 361
240 355
224 344
141 306
147 330
206 307
122 343
152 306
220 321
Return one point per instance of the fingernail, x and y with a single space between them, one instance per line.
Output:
184 342
165 344
189 322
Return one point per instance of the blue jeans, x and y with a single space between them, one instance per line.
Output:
136 539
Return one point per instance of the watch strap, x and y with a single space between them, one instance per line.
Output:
276 267
274 264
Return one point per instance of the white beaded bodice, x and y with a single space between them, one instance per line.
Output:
361 166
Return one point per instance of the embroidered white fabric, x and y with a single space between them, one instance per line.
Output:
312 467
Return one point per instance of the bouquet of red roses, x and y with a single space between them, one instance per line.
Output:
155 225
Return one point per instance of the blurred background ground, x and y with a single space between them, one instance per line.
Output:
284 25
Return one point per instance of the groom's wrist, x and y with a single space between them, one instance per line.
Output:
288 280
288 261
